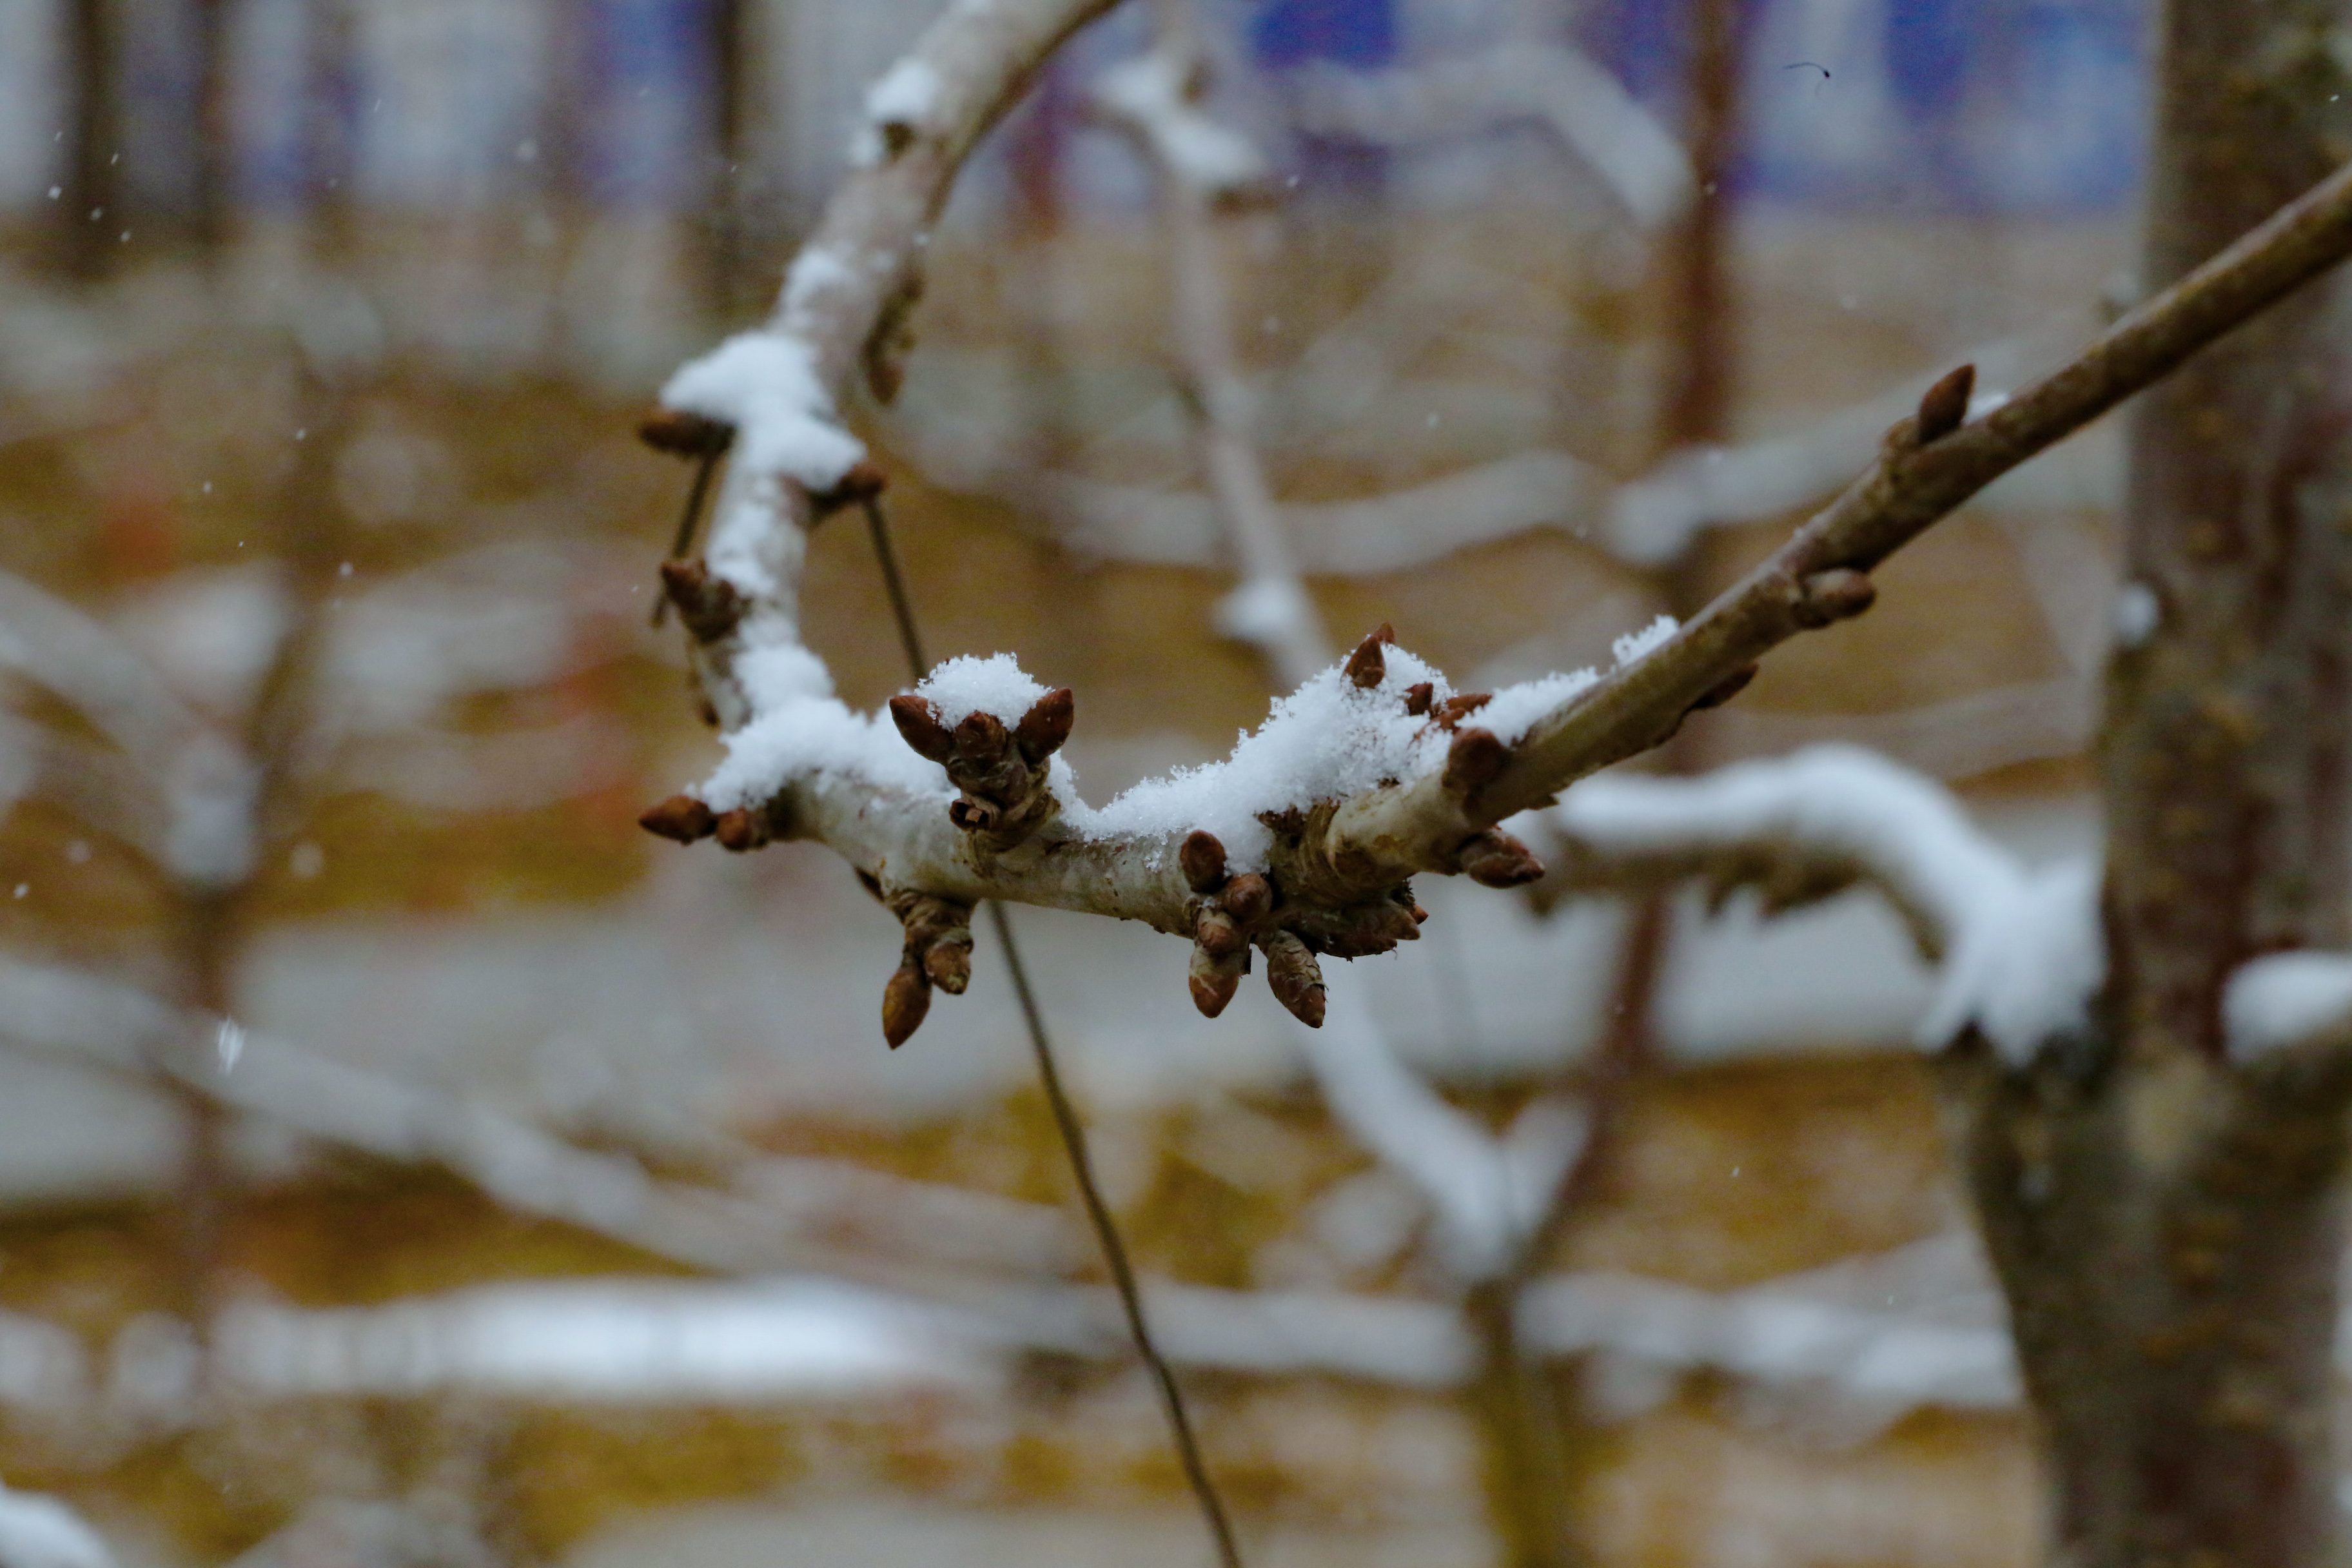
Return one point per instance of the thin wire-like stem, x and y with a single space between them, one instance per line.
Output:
1065 1120
686 520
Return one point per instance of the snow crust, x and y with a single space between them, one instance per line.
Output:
995 685
2022 953
2284 997
906 94
38 1532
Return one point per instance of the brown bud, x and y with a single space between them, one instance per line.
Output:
708 605
684 435
1294 977
1836 595
681 817
1454 710
1367 667
981 737
1473 761
1215 978
919 727
1418 697
1249 897
904 1000
872 884
1420 915
1944 408
1047 724
1384 633
1215 934
1203 861
742 829
949 963
1498 860
1724 691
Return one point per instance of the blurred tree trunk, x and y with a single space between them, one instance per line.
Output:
93 139
2168 1227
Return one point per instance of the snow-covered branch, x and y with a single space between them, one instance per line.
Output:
1589 110
1302 841
2020 947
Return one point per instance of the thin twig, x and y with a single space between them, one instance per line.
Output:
1066 1117
686 524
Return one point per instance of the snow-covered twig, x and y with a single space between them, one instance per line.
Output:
2021 948
1201 162
1360 781
1592 113
1487 1190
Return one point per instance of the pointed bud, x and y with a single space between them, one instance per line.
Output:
1473 762
1498 860
981 737
1294 977
1454 710
1418 697
681 817
1367 667
1944 408
949 963
1215 934
904 1000
1047 724
1384 633
1203 861
1215 978
919 727
709 607
1836 595
1249 897
684 435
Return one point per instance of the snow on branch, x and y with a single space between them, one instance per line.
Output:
1370 772
2285 1000
2021 948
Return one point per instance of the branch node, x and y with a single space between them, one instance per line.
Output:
1473 762
1837 594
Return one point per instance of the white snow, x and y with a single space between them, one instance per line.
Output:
810 735
2137 614
1200 152
1516 709
997 685
2285 997
38 1532
2022 952
817 270
765 385
906 94
1635 645
1263 611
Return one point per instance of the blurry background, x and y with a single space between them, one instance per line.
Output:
404 1159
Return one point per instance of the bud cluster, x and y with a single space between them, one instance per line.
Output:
1002 772
937 952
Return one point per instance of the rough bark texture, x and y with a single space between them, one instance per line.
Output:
2168 1227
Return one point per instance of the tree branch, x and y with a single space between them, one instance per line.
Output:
1365 775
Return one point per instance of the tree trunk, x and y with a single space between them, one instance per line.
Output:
2168 1226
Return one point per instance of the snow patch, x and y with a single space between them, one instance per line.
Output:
38 1532
819 270
997 685
2137 614
906 94
1515 708
765 385
1263 611
1149 92
2284 997
813 735
1636 644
